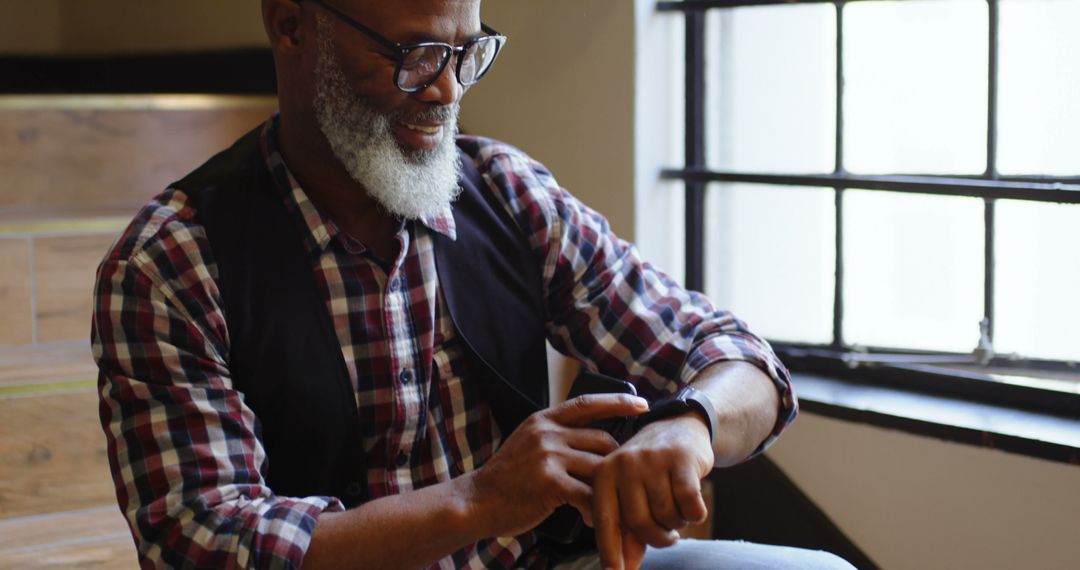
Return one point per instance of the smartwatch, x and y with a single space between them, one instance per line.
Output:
685 400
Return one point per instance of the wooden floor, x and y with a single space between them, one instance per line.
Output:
57 507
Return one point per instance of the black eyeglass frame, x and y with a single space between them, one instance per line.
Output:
403 50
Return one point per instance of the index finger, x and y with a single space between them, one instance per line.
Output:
606 520
580 411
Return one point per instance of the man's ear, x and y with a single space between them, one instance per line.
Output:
282 21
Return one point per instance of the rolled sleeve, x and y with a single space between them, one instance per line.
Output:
747 347
185 458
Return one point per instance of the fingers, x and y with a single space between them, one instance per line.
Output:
676 503
578 412
658 507
580 465
658 493
661 500
579 451
594 441
578 495
637 516
686 490
633 552
572 465
609 536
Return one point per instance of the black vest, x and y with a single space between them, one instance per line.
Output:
284 354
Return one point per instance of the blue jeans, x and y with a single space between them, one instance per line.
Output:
691 554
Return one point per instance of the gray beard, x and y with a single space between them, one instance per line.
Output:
411 185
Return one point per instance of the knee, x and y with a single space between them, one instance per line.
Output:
737 555
821 560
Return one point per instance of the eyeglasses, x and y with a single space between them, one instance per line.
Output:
420 65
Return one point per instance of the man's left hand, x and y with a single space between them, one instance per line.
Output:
650 488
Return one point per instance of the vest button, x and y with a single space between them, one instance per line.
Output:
354 488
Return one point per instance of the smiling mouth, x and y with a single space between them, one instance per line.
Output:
426 129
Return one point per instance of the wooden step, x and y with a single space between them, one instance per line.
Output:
16 292
46 289
95 150
95 537
64 269
52 449
57 505
78 168
29 367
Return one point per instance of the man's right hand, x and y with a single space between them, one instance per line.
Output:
547 462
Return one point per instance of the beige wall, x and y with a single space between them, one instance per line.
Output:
563 91
30 27
917 503
122 26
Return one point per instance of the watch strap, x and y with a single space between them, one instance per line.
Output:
685 400
702 404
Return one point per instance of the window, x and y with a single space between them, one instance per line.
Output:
891 189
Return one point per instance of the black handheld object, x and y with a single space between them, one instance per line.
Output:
621 428
564 525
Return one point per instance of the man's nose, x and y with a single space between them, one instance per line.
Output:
446 89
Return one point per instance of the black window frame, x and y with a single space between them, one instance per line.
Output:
969 376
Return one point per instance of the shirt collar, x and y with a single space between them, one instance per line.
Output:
320 230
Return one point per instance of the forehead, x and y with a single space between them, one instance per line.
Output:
409 19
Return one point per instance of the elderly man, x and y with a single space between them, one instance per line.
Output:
326 345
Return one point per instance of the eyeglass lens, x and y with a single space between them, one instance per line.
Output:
423 64
420 65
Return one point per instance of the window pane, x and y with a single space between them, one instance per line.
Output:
913 270
915 86
769 258
771 88
661 236
1039 93
1037 276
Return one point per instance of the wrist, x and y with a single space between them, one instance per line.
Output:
471 507
686 401
687 431
693 423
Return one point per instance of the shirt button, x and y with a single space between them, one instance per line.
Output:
395 284
406 376
402 458
354 488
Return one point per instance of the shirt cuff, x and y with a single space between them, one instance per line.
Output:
293 521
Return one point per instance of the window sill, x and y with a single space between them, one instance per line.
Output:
1046 436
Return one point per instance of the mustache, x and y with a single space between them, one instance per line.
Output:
440 114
